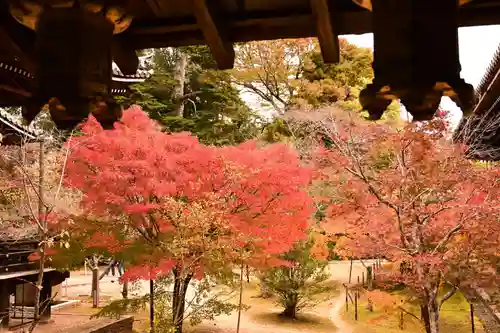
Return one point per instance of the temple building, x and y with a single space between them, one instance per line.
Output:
18 238
481 131
12 128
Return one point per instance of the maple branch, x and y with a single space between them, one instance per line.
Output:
59 186
448 295
428 217
447 238
409 313
26 176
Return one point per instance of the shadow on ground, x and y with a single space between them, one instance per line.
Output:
306 321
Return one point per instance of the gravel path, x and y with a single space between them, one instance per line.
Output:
335 317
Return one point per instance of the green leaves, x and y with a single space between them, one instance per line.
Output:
302 283
213 109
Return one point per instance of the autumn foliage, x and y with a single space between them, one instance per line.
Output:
413 198
164 201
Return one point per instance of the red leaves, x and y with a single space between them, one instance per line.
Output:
105 240
148 270
35 256
177 201
478 199
413 198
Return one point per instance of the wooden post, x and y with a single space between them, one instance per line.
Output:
363 278
346 299
350 272
358 279
472 318
356 305
4 305
95 286
151 307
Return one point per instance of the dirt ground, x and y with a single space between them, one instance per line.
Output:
262 317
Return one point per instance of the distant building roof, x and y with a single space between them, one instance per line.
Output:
481 131
11 124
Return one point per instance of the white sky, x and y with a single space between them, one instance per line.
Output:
477 47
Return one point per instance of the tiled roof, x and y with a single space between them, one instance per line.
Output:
17 124
140 76
490 73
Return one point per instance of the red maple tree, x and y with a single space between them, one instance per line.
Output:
413 198
166 203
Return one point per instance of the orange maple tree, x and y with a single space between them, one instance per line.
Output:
413 198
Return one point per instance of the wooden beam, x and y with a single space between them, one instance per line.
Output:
124 56
214 33
328 39
155 7
17 91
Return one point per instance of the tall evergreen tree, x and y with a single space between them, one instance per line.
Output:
187 93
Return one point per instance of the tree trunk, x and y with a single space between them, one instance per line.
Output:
290 311
291 305
179 298
369 277
430 315
125 290
179 77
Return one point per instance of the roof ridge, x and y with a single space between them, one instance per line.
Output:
490 73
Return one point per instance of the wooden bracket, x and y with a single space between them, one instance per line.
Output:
323 15
124 56
214 33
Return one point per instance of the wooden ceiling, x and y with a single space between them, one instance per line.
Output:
220 23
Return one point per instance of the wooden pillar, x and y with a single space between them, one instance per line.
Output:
46 300
4 305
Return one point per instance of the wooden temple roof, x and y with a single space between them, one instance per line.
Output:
219 23
12 127
481 130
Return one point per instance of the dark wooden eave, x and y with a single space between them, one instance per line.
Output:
220 23
174 23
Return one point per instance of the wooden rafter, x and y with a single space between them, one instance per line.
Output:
323 14
17 91
16 50
214 33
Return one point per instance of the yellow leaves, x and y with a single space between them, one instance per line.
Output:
386 301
